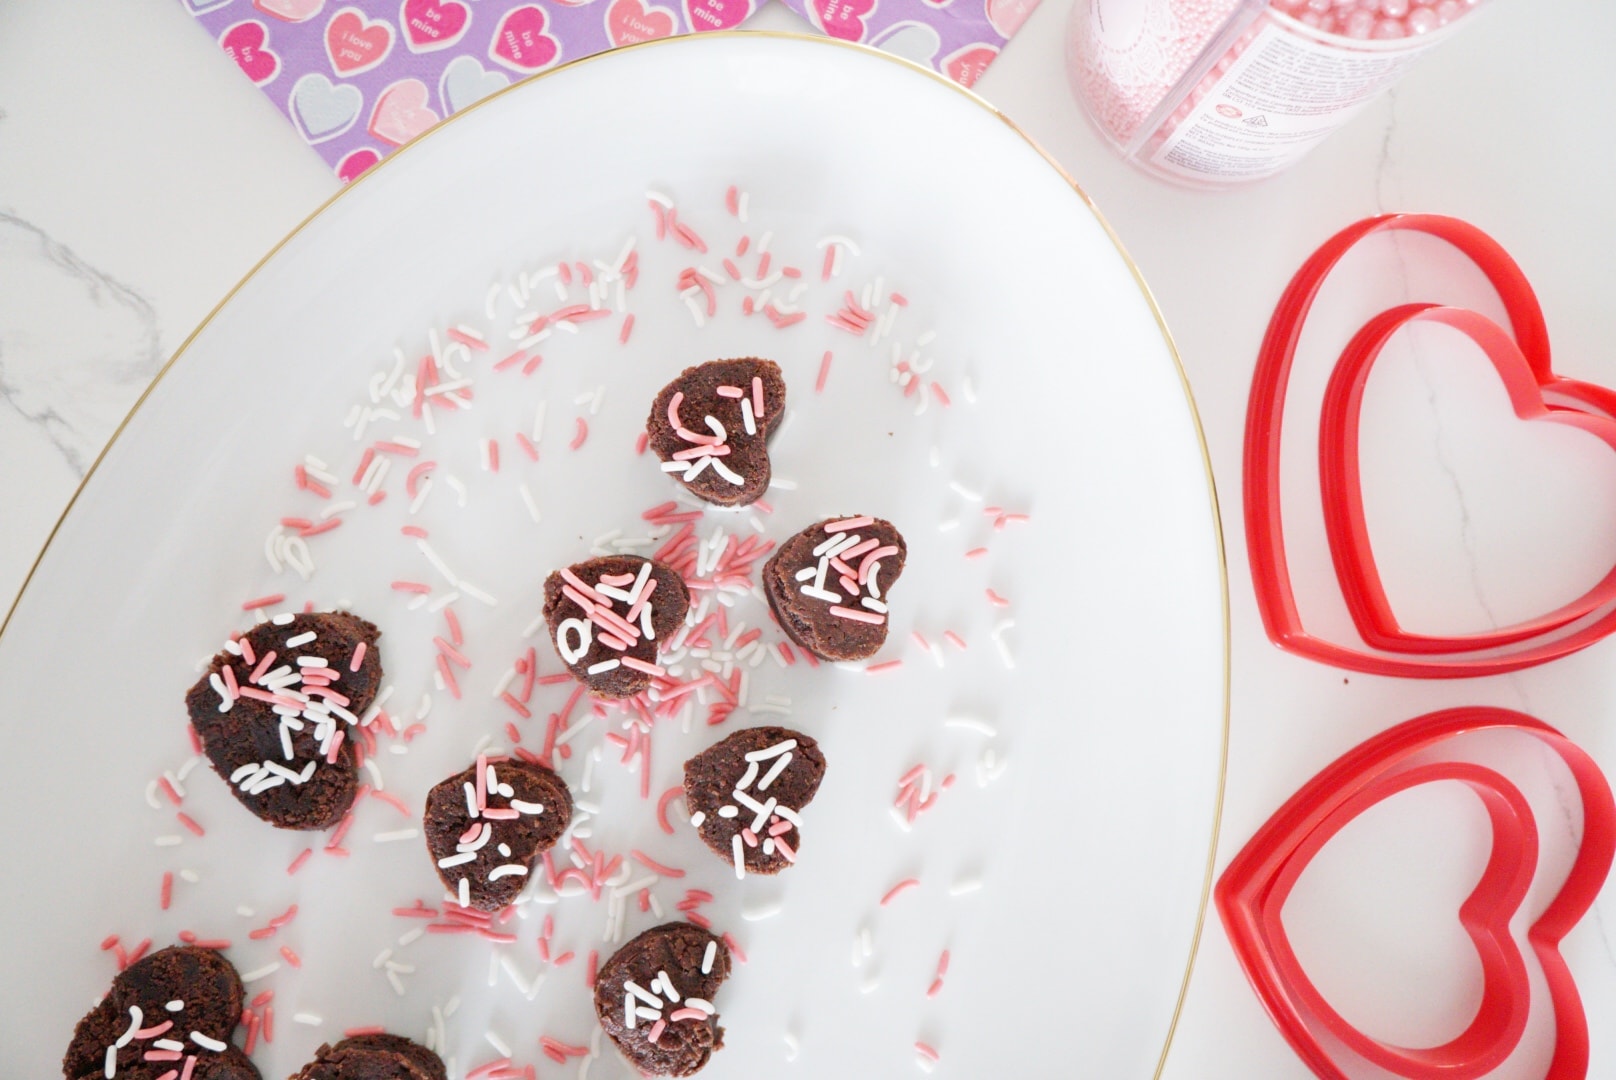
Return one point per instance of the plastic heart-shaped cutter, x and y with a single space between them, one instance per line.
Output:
1521 358
1252 892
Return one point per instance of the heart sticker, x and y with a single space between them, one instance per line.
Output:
355 44
466 81
966 65
322 109
292 11
522 43
356 162
430 25
1252 892
631 21
1519 355
704 15
1006 16
247 43
401 113
845 19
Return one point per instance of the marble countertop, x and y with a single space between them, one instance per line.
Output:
141 177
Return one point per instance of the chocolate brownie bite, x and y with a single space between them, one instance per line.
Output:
609 617
486 828
745 794
828 585
175 1004
654 998
273 712
374 1057
711 428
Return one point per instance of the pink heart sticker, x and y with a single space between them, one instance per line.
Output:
292 11
703 15
1006 16
430 25
402 113
966 65
356 162
354 43
845 19
247 43
629 21
521 43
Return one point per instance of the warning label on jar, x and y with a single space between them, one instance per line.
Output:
1278 100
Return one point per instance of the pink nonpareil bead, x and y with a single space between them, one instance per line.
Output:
1388 30
1320 6
1422 20
1359 25
1448 10
1311 18
1394 9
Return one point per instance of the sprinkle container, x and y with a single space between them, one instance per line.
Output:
1211 93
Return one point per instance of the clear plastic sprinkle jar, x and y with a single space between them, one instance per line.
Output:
1218 92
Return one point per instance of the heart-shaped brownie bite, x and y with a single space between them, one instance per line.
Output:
486 828
608 618
828 585
273 713
654 998
711 427
162 1011
374 1057
745 794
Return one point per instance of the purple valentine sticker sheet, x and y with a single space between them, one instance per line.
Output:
359 79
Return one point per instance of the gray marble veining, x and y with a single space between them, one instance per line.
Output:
77 347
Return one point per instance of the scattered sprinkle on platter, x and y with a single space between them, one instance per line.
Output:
436 393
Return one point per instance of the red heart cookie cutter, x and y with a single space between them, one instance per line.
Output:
1521 360
1252 892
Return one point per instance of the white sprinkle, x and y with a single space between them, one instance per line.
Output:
871 981
792 1046
964 885
658 197
642 993
758 914
770 776
397 834
311 1019
506 870
410 937
523 807
457 859
778 748
261 973
207 1042
169 840
396 982
948 525
971 723
174 1006
382 958
528 501
604 666
465 892
697 818
740 857
497 1043
168 1044
708 956
477 594
110 1069
964 492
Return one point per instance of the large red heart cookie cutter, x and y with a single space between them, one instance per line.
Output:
1251 896
1520 356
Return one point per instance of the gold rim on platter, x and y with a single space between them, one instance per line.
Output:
968 95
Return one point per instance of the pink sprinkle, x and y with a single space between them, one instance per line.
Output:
415 531
154 1031
886 665
729 943
391 800
940 394
757 393
824 372
899 299
732 201
935 988
493 454
953 639
451 652
168 789
927 1052
456 334
641 441
906 883
297 863
656 1031
532 365
411 587
565 958
786 654
412 479
731 392
911 776
190 824
354 1032
731 269
291 957
848 524
449 679
358 657
996 600
582 433
830 261
701 920
510 361
636 664
263 601
521 709
166 896
976 553
686 1014
857 615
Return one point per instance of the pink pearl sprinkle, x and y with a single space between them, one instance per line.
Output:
892 893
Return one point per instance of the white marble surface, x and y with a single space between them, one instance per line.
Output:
141 176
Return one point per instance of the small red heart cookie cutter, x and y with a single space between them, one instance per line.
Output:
1520 356
1251 895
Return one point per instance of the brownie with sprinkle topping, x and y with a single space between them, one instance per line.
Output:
610 617
711 427
275 713
183 1001
746 791
654 998
487 827
375 1056
828 585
